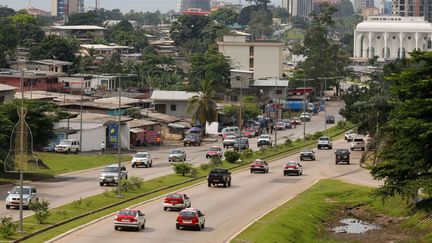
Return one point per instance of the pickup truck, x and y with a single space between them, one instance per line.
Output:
324 141
219 176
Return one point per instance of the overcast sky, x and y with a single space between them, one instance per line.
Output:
123 5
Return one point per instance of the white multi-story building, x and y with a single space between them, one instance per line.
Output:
263 57
301 8
391 37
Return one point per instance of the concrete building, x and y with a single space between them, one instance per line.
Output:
173 103
361 4
64 8
263 57
100 50
413 8
50 65
370 11
203 5
7 93
33 80
391 37
301 8
83 33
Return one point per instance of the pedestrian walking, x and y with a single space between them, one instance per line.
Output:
103 146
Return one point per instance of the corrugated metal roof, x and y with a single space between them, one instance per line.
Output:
270 83
172 95
5 87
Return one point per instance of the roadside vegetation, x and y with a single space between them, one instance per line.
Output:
138 191
308 217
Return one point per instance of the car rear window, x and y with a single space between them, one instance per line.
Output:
214 148
174 196
218 171
187 214
291 163
358 140
259 162
345 151
127 213
177 152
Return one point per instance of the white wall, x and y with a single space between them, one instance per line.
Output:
91 138
181 108
268 61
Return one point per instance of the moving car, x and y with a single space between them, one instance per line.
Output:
280 126
347 133
250 132
109 174
190 218
219 176
241 144
229 141
293 167
296 121
342 155
358 143
231 130
307 154
330 119
287 123
324 142
259 165
142 159
68 146
214 151
305 116
264 139
177 201
129 218
29 195
192 139
177 155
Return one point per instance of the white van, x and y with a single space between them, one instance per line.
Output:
68 146
231 130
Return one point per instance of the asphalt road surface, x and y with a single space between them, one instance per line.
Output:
67 188
230 209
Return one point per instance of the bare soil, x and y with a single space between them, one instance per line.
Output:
390 229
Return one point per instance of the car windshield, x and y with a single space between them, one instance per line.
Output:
295 118
291 163
243 140
342 151
110 169
286 121
265 136
127 213
140 156
324 138
16 190
187 214
176 152
65 142
218 171
307 151
174 195
231 137
214 149
191 137
259 162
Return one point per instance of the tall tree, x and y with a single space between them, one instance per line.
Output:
260 23
8 40
55 47
203 108
407 158
28 30
87 18
225 16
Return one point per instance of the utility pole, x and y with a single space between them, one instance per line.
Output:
81 113
304 110
22 124
277 110
119 139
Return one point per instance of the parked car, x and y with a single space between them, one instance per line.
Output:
142 159
342 155
280 126
287 123
330 119
305 116
307 154
129 218
259 165
68 146
109 174
214 151
325 142
241 144
219 176
192 139
177 201
296 121
250 132
231 130
358 143
229 141
264 139
177 155
293 167
29 195
190 218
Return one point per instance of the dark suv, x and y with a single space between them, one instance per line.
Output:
219 176
241 144
194 140
342 155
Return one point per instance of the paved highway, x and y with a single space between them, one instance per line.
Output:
66 188
228 210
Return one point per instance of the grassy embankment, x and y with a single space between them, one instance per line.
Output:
301 219
96 202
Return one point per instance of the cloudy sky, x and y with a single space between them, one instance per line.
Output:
123 5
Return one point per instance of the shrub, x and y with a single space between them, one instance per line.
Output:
193 172
317 135
40 209
216 161
7 227
232 156
135 182
204 166
341 125
77 204
247 153
182 168
288 142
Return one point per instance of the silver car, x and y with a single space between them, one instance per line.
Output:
109 174
29 195
177 155
142 159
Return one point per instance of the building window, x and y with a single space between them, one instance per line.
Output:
278 91
378 37
251 62
251 51
173 107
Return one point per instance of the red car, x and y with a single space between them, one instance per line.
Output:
259 165
296 121
214 151
190 218
250 132
129 218
280 126
293 167
177 201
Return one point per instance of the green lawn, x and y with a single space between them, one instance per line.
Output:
63 163
301 219
294 34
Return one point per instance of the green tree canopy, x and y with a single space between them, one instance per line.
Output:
260 23
8 40
250 108
28 29
225 16
55 47
86 18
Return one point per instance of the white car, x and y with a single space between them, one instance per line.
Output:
358 143
129 218
324 141
264 139
142 159
348 134
177 201
68 146
29 195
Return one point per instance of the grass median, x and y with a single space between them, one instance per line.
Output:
157 185
63 163
307 217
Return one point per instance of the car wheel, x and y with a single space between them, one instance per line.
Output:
133 165
116 227
68 151
284 174
143 226
207 157
203 225
267 171
251 171
229 183
165 208
330 147
301 159
177 226
224 184
151 164
101 183
7 206
209 184
184 145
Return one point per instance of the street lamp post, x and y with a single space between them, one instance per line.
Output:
276 109
81 113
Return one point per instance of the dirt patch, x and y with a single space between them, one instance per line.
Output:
389 229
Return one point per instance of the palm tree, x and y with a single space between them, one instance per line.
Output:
203 107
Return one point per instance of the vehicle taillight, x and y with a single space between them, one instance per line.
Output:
179 219
194 220
116 218
133 220
166 200
180 200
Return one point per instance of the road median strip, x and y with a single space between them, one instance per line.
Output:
153 188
